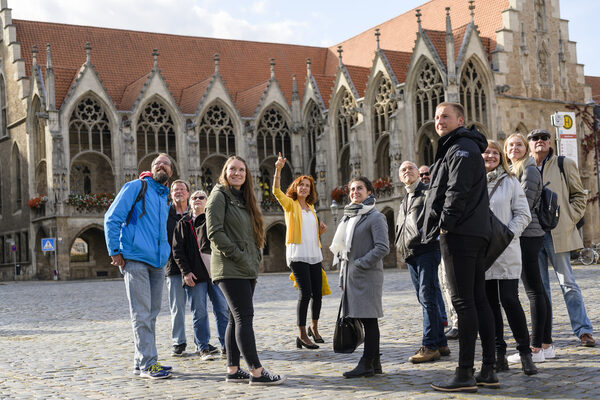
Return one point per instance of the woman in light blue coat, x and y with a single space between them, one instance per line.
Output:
509 204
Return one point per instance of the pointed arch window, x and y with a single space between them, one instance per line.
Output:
314 130
17 183
39 134
89 128
540 15
346 117
3 108
0 199
81 181
155 131
429 93
543 63
384 104
273 135
215 133
473 95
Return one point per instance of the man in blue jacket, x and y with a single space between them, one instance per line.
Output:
138 245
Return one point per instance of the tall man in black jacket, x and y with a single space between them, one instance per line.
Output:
423 261
456 210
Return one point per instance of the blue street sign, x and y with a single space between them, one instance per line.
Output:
48 244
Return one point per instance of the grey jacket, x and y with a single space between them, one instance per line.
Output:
531 182
364 270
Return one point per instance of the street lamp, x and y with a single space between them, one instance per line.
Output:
334 212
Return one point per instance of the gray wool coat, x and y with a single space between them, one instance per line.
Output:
364 270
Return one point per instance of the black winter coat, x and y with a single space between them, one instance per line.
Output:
173 218
410 223
185 247
457 200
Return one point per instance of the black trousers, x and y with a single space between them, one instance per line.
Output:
309 280
239 335
371 348
506 292
541 323
463 259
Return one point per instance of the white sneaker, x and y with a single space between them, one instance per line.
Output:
515 358
549 352
535 357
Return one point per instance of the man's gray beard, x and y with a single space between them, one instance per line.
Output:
161 177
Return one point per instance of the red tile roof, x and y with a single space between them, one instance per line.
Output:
191 96
594 82
399 61
359 76
325 85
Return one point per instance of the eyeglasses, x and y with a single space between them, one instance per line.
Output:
423 174
539 137
198 197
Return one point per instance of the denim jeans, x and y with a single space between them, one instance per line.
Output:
197 295
144 285
424 274
177 302
561 262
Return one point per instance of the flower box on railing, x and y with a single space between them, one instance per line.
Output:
91 202
383 187
37 202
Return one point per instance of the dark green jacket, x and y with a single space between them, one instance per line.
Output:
229 228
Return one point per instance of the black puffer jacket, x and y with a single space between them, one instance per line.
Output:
171 268
457 200
185 246
410 223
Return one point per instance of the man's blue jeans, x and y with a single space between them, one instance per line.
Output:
571 292
197 295
177 302
144 285
424 273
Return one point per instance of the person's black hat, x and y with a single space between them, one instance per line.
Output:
538 132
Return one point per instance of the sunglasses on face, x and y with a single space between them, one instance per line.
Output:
198 197
539 137
423 174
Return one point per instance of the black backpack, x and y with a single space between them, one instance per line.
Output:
547 209
141 196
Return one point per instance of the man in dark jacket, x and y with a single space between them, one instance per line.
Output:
423 261
180 194
457 210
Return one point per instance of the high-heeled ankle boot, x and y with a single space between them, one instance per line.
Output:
487 377
462 381
377 365
529 367
300 343
501 361
364 368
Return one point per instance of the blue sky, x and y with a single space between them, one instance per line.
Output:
308 22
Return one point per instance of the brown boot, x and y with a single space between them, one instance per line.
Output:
424 354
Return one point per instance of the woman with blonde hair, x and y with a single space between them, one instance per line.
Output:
303 249
235 228
525 169
508 203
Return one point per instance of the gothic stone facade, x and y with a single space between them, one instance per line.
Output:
86 109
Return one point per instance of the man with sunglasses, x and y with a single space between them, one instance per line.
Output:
424 174
559 242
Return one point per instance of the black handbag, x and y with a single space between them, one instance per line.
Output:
500 236
349 332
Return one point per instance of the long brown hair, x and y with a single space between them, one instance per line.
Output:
517 165
495 145
292 191
249 198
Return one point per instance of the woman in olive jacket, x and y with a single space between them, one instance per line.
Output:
235 229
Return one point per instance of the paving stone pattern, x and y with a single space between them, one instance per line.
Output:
73 340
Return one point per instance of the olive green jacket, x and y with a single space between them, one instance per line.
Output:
235 254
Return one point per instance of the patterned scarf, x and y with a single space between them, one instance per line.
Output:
340 246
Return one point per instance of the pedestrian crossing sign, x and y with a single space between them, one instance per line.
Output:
48 244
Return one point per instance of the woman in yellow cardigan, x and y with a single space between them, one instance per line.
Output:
303 249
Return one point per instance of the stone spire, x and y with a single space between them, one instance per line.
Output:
272 63
308 71
418 14
472 8
377 35
217 59
450 62
34 52
295 93
50 88
155 55
88 52
340 51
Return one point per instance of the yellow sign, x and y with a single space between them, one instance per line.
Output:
568 122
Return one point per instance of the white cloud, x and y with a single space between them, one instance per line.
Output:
260 7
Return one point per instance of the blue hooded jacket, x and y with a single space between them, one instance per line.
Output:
145 238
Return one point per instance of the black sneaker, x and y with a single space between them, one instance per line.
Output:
212 349
240 376
178 350
267 378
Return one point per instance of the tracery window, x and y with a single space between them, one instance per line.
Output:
81 182
473 95
540 15
3 108
215 132
273 135
429 93
384 105
315 129
39 135
89 128
17 184
543 61
155 131
346 117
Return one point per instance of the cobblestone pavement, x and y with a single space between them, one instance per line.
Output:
73 340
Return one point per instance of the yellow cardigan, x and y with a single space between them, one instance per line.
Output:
293 217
